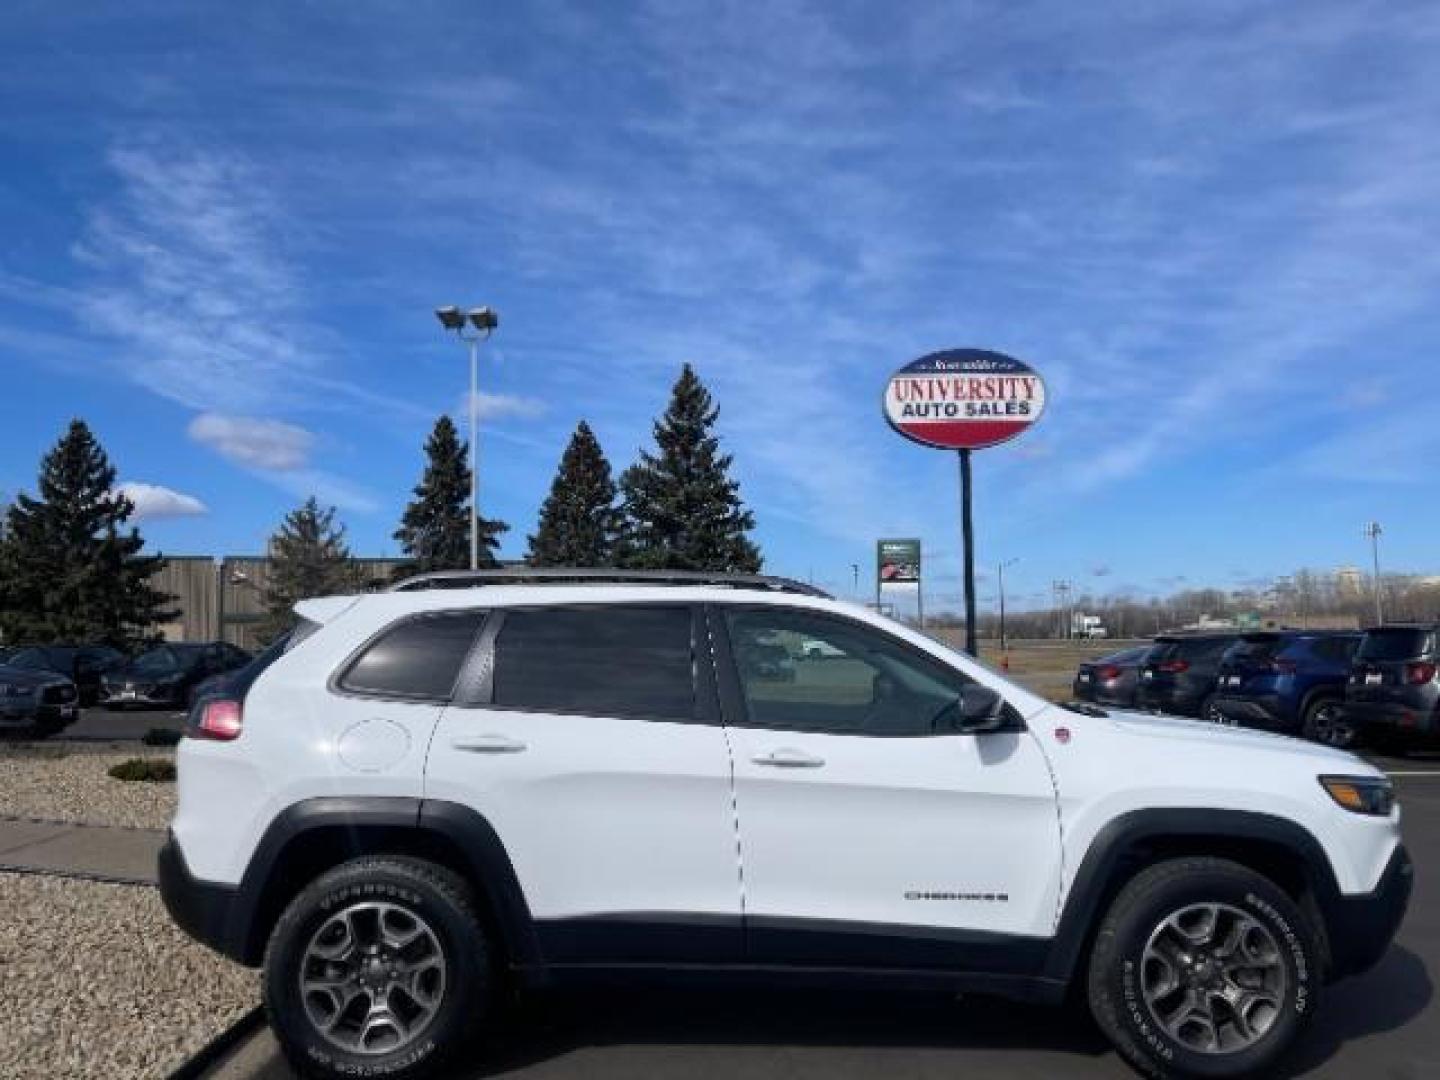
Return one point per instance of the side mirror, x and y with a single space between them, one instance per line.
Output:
978 710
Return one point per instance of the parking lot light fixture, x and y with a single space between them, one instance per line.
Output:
483 320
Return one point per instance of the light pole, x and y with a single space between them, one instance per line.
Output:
855 571
1372 533
484 321
1000 575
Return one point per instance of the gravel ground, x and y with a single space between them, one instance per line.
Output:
95 981
70 783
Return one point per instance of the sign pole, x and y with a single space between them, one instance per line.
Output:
967 538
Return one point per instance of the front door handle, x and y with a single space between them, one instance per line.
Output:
488 744
789 758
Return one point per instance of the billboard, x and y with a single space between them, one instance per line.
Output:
964 399
897 562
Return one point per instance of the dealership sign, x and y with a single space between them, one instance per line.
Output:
897 562
964 399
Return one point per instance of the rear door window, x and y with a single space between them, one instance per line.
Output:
1397 643
417 659
618 660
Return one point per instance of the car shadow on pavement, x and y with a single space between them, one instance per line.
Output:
552 1026
1390 995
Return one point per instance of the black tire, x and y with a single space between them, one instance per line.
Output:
1213 714
1324 723
1116 985
446 905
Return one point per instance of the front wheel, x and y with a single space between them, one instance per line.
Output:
378 968
1203 968
1325 723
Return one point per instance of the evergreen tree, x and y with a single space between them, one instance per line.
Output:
69 569
682 510
435 529
579 524
308 557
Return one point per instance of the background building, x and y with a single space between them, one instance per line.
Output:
224 599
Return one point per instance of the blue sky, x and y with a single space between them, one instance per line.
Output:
1212 228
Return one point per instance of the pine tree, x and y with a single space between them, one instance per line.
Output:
682 510
69 569
579 524
308 557
435 529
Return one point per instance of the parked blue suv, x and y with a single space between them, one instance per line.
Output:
1287 680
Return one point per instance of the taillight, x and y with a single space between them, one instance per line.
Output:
1419 673
215 718
1174 667
1109 671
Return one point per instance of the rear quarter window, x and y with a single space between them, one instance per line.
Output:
1201 650
418 659
1400 643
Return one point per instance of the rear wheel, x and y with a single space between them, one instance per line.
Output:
1324 722
1203 968
378 968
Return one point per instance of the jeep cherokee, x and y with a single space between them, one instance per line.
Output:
432 796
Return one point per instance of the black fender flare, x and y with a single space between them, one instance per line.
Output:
360 820
1102 871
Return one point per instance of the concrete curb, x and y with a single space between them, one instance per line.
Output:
76 875
30 820
210 1055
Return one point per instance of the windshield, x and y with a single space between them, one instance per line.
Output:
160 661
31 659
1399 643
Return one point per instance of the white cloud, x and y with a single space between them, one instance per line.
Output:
254 442
153 501
501 406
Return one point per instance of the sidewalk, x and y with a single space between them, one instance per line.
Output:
99 852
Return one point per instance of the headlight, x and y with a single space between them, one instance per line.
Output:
1361 794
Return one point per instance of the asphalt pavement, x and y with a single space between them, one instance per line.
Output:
98 724
1384 1024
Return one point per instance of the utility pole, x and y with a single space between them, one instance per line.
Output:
484 320
1000 576
1372 533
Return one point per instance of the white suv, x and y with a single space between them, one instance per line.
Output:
480 781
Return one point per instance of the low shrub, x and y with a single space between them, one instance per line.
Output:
151 770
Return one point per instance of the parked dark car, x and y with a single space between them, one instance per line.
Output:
167 675
1178 675
84 665
1393 696
1291 681
36 703
1111 679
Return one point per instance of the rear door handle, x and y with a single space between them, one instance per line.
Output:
788 758
488 744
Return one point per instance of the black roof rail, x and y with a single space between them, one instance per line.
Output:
519 575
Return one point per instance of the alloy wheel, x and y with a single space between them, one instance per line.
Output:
372 978
1214 978
1329 726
